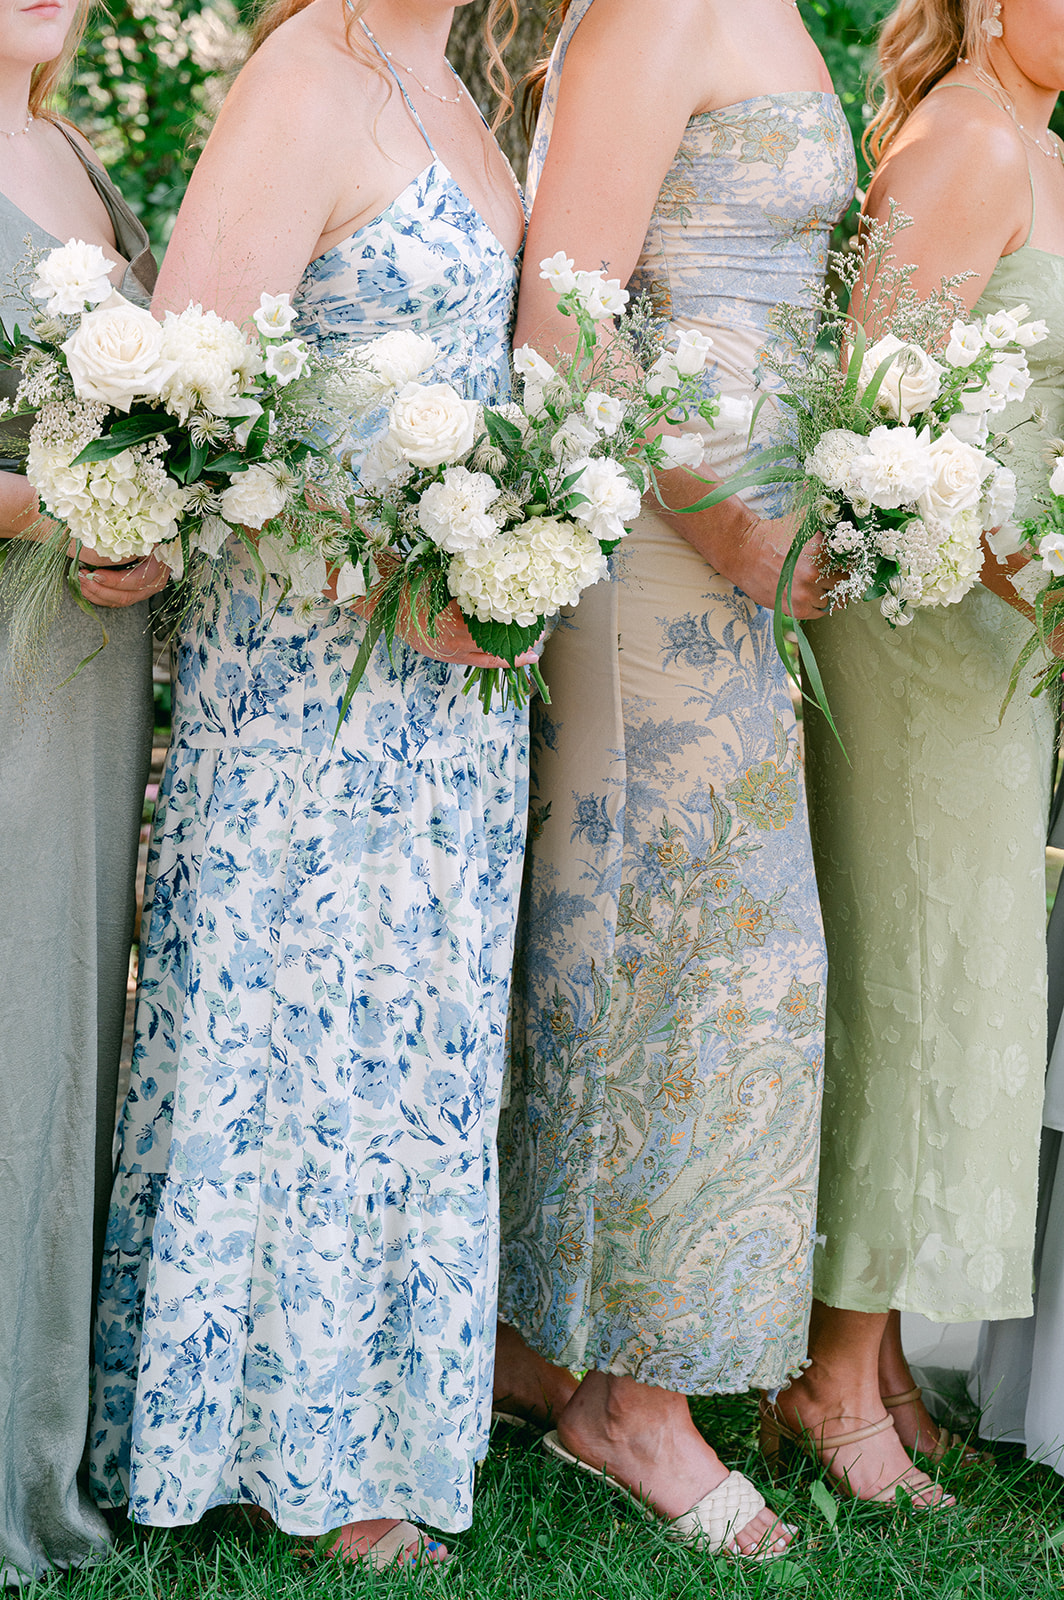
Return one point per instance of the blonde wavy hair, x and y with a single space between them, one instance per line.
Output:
48 75
919 42
497 36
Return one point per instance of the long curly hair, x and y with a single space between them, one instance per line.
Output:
919 42
497 35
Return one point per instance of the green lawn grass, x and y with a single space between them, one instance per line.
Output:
545 1533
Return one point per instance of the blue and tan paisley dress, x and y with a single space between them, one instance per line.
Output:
659 1157
304 1220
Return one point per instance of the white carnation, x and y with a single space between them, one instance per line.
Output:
610 498
431 424
253 498
454 512
214 364
71 277
893 467
832 457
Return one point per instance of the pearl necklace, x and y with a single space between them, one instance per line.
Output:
18 132
444 99
997 88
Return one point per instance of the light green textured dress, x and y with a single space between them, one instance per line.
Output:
930 859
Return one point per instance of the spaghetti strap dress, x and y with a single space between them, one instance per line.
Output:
299 1285
659 1153
74 755
930 851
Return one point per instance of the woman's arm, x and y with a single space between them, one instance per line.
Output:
626 95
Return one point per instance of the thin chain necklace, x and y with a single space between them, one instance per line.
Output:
18 132
997 88
444 99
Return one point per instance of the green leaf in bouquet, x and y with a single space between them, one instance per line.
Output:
124 434
505 639
871 394
853 371
767 471
231 461
197 460
503 434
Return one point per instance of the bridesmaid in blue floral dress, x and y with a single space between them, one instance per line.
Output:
659 1156
298 1303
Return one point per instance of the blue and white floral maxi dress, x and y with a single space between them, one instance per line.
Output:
304 1219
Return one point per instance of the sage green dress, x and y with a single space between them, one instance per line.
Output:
73 767
929 848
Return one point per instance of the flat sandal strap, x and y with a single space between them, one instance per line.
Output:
836 1441
906 1399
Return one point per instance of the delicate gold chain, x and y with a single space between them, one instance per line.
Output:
997 88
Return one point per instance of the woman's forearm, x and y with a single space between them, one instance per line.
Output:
20 511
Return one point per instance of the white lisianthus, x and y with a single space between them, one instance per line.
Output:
999 498
610 498
527 573
430 424
454 512
252 411
957 485
683 449
1051 552
303 570
893 467
1056 479
735 413
602 297
1001 327
286 361
573 439
383 467
214 363
399 358
692 352
115 356
72 277
528 363
558 271
275 315
832 457
1029 334
350 583
253 497
912 382
603 412
965 343
664 374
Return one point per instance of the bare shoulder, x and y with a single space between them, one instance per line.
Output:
640 26
958 145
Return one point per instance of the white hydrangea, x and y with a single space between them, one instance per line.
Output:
527 573
610 498
946 557
215 364
454 512
123 508
72 277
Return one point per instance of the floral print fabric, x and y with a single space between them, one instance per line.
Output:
659 1155
304 1218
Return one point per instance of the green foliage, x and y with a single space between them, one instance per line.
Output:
150 78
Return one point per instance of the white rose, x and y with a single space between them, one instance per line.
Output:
431 423
911 383
603 412
893 468
115 356
683 449
610 498
832 457
253 497
286 361
71 277
692 352
454 512
275 315
1051 551
558 271
965 343
1056 481
957 485
734 413
399 357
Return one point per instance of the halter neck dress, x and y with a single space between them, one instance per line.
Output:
304 1218
930 850
74 761
659 1155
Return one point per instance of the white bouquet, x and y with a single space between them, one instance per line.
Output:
1041 581
513 510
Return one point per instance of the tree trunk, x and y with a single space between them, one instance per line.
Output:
468 53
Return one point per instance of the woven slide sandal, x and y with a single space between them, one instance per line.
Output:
710 1525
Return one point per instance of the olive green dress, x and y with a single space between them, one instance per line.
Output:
73 768
929 849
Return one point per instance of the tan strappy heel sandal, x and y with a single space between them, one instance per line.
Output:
775 1435
946 1441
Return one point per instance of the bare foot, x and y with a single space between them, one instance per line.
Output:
356 1540
645 1438
871 1469
525 1383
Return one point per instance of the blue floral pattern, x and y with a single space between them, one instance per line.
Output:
659 1156
304 1219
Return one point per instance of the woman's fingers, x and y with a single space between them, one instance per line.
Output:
123 586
